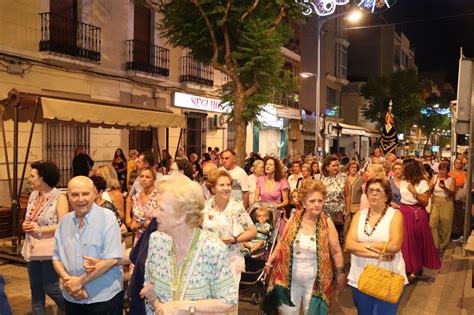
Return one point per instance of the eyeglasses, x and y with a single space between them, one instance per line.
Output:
377 191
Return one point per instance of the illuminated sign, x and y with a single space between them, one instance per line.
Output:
198 102
268 117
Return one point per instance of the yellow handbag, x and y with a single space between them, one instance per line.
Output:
381 283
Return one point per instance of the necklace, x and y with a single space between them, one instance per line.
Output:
177 279
367 226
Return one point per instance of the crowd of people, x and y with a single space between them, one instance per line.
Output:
191 229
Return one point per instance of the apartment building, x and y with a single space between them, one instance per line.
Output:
374 52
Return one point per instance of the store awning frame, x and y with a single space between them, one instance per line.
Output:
39 107
96 113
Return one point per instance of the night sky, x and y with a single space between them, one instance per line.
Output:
436 42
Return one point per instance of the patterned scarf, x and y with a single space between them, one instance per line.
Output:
279 286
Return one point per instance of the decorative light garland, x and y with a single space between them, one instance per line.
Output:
375 6
328 7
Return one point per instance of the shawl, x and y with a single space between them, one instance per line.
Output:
279 286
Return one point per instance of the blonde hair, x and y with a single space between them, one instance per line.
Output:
214 176
187 198
108 173
378 169
264 211
310 186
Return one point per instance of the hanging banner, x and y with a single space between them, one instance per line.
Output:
389 139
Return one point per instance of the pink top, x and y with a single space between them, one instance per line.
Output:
275 195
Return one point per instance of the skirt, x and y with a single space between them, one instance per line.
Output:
418 248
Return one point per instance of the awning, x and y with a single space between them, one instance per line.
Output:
348 130
95 113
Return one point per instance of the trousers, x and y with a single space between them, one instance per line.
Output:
368 305
43 280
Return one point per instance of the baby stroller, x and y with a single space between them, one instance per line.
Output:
253 281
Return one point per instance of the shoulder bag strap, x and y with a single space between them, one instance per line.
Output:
193 265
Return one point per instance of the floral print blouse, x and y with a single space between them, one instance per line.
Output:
335 198
232 221
142 211
211 278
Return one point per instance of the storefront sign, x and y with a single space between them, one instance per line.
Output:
199 103
289 113
268 117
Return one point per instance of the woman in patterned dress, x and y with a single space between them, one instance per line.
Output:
227 219
337 202
187 270
144 203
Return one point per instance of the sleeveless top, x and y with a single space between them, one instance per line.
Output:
48 215
380 235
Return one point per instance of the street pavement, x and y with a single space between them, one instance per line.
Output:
446 291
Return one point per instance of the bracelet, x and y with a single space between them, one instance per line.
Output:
340 270
268 265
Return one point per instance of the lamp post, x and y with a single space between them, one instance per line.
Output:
352 16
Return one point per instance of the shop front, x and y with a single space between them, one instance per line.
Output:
205 122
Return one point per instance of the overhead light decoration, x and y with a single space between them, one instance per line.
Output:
375 6
320 7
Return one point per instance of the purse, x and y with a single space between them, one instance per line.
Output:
40 248
381 283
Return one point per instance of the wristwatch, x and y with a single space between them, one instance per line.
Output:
192 308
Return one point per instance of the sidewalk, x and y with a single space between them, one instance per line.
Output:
447 291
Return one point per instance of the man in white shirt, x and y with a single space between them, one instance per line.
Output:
295 176
240 183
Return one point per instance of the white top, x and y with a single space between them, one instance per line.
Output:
438 191
305 259
380 235
240 181
407 196
292 181
252 187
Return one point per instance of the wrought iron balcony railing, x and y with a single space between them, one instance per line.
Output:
70 37
149 58
196 72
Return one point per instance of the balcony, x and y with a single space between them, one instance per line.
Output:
69 37
148 58
289 100
294 46
196 72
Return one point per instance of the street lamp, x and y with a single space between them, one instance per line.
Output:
352 16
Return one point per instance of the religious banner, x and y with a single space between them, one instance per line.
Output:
389 140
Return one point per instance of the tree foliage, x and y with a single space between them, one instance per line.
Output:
404 89
242 39
432 119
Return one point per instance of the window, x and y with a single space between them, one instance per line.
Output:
140 140
61 142
195 132
341 61
333 102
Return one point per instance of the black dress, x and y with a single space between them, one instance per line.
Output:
81 165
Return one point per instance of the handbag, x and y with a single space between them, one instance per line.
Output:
40 248
381 283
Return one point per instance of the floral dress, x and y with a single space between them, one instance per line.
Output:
143 211
232 221
210 279
334 204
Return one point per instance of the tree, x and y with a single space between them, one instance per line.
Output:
242 39
434 116
404 89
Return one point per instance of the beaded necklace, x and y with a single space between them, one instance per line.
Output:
367 226
177 279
